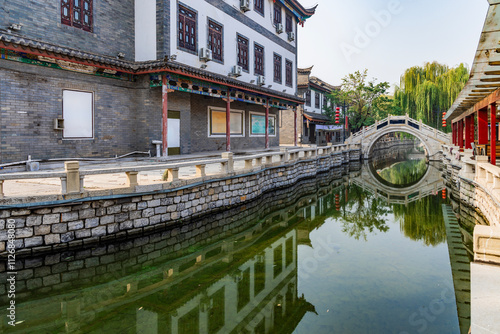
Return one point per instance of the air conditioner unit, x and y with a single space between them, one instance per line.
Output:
245 5
261 80
279 28
291 36
58 123
236 71
205 54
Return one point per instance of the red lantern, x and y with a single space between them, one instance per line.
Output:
443 193
337 115
444 124
337 202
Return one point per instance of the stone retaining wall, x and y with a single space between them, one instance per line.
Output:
47 273
61 226
477 204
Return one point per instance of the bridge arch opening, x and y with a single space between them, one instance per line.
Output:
429 151
398 160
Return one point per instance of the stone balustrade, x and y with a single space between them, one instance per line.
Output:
72 179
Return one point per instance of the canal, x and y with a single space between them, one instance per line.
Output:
361 249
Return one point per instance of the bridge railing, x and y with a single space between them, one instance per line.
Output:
399 120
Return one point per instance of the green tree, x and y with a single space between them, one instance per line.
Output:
423 91
367 99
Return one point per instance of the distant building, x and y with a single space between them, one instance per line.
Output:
314 126
85 78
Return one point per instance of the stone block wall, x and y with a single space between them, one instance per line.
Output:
43 274
59 227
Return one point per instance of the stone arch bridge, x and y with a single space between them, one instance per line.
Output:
429 184
431 138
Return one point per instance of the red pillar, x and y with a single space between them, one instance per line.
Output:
469 130
493 134
454 133
228 123
267 124
295 126
164 130
482 126
460 133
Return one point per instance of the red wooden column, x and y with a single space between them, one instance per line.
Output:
482 126
295 126
493 134
469 130
164 130
228 122
460 133
267 124
454 133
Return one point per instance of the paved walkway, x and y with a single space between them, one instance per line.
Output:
52 186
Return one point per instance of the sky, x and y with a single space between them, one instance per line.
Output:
388 36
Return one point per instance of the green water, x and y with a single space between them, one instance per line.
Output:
323 257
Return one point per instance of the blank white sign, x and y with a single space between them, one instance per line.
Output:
77 114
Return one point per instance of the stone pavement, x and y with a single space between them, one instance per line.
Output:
52 186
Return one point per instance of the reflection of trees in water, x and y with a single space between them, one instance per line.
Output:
364 213
422 220
405 172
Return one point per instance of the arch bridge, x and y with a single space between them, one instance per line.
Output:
431 138
429 184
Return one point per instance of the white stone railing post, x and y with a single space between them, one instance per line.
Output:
200 170
132 179
284 155
173 174
1 189
73 184
228 166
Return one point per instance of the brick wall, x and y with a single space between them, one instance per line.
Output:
31 98
113 28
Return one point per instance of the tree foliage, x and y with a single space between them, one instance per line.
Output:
426 91
366 100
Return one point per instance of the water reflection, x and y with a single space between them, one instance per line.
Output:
323 256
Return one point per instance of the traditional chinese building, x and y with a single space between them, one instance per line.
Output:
474 114
315 126
91 78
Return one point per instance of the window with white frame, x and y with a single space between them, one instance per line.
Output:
217 122
78 114
258 124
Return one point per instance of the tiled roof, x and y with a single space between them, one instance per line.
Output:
317 117
23 44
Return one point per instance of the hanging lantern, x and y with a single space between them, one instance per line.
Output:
337 115
444 124
337 202
443 194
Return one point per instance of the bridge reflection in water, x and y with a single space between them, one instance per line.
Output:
238 271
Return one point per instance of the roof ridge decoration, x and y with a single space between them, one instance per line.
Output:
298 10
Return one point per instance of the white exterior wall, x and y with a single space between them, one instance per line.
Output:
313 99
145 30
232 27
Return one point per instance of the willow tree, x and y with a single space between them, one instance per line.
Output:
424 92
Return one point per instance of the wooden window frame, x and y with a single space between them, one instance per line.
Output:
272 119
277 68
259 6
187 18
76 14
308 98
288 23
277 18
242 52
259 70
233 112
317 98
288 73
218 36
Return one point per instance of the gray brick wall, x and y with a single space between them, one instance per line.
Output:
31 98
113 28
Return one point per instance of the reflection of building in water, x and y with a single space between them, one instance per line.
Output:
244 283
